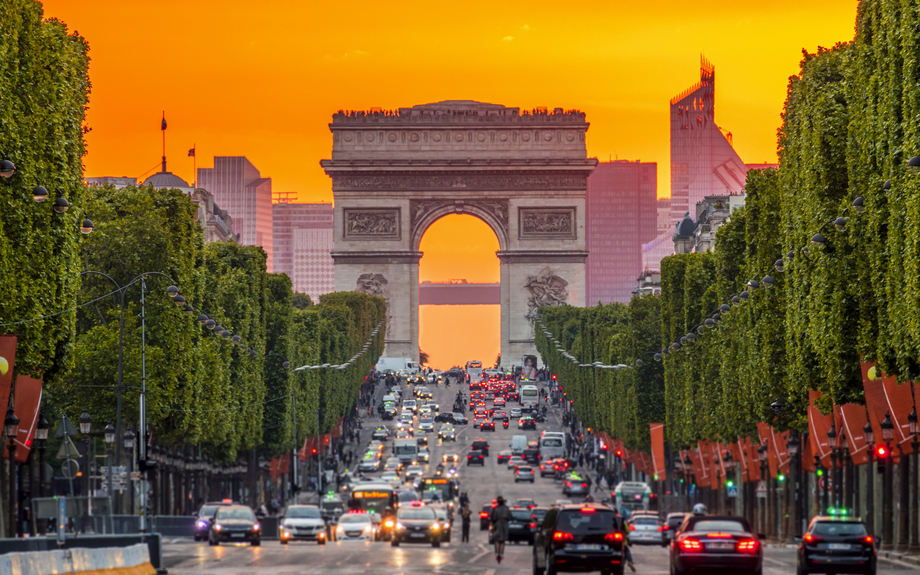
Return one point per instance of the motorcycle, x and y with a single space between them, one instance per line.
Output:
505 424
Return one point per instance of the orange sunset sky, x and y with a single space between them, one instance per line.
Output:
261 79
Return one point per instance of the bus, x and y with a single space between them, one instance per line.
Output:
632 495
530 398
474 371
373 498
446 488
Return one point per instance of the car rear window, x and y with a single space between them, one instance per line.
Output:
719 526
840 529
580 522
521 515
525 469
552 442
645 521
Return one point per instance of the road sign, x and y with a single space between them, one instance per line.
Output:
761 490
68 450
733 491
66 428
70 468
692 490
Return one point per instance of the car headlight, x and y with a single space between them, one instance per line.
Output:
435 525
400 526
388 523
340 529
367 528
218 527
203 524
256 527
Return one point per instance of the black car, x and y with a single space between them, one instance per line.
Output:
416 525
519 527
537 514
485 517
716 542
669 528
444 418
532 456
476 457
481 445
204 515
235 523
460 419
836 544
487 426
527 422
579 538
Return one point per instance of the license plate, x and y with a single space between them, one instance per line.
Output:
588 547
721 545
839 546
416 535
516 525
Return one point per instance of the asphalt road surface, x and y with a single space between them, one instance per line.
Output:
185 557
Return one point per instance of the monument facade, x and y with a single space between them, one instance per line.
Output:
395 173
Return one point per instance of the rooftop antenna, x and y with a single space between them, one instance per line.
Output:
163 129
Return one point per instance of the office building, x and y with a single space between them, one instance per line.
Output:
621 215
302 246
241 190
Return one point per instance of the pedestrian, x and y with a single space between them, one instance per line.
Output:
466 515
601 484
501 515
581 459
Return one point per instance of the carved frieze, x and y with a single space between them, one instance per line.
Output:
547 223
372 224
472 182
376 284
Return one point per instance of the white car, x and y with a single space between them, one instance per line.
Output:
425 411
369 463
644 529
413 472
423 455
354 527
435 406
302 522
391 477
426 425
405 418
515 413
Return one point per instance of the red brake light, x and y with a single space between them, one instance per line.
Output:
587 510
659 529
868 539
665 528
747 546
719 535
690 545
882 451
560 536
584 485
632 527
809 538
483 514
613 536
533 525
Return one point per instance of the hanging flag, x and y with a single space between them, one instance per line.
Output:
163 123
191 153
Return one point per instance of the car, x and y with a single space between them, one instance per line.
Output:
481 445
460 419
408 497
204 515
425 425
537 513
524 503
450 457
423 455
416 525
375 446
498 402
503 456
392 465
370 462
447 433
527 422
585 537
669 527
519 527
562 502
515 460
235 523
444 520
404 434
381 433
710 542
515 413
425 411
390 477
301 523
524 473
354 527
331 508
389 414
434 405
413 472
643 529
839 544
487 425
573 484
485 516
531 456
444 418
476 457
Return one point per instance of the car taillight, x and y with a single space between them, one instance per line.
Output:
614 537
809 538
533 525
868 539
718 535
659 529
562 536
747 546
584 484
632 527
665 528
690 545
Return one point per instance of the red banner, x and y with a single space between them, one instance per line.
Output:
701 464
7 362
853 420
658 465
818 425
28 406
753 468
885 396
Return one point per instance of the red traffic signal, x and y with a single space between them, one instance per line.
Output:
881 451
554 376
619 453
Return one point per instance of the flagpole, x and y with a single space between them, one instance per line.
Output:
194 167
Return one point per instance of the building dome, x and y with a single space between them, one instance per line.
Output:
166 180
686 227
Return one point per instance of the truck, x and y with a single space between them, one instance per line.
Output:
406 450
394 364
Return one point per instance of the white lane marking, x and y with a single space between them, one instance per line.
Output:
479 556
774 562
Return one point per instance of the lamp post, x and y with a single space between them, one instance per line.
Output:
86 426
762 457
688 465
888 487
128 439
792 448
833 481
109 437
11 427
870 478
914 483
41 435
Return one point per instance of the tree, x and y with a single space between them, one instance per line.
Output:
301 301
422 357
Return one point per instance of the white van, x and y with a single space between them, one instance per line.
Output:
518 444
552 446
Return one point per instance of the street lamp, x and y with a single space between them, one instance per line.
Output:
792 448
888 486
11 427
831 482
41 435
108 435
914 443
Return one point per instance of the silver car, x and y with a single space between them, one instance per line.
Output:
644 529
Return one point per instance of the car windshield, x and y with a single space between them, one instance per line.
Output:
521 515
303 512
719 526
586 522
416 513
354 518
236 513
208 511
840 529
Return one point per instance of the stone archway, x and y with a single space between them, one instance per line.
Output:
524 174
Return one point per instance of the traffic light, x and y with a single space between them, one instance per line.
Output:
619 453
554 377
882 455
729 483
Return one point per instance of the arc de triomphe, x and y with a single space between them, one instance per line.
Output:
524 174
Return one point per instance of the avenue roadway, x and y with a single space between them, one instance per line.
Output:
185 557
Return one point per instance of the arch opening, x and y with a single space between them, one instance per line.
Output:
459 247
